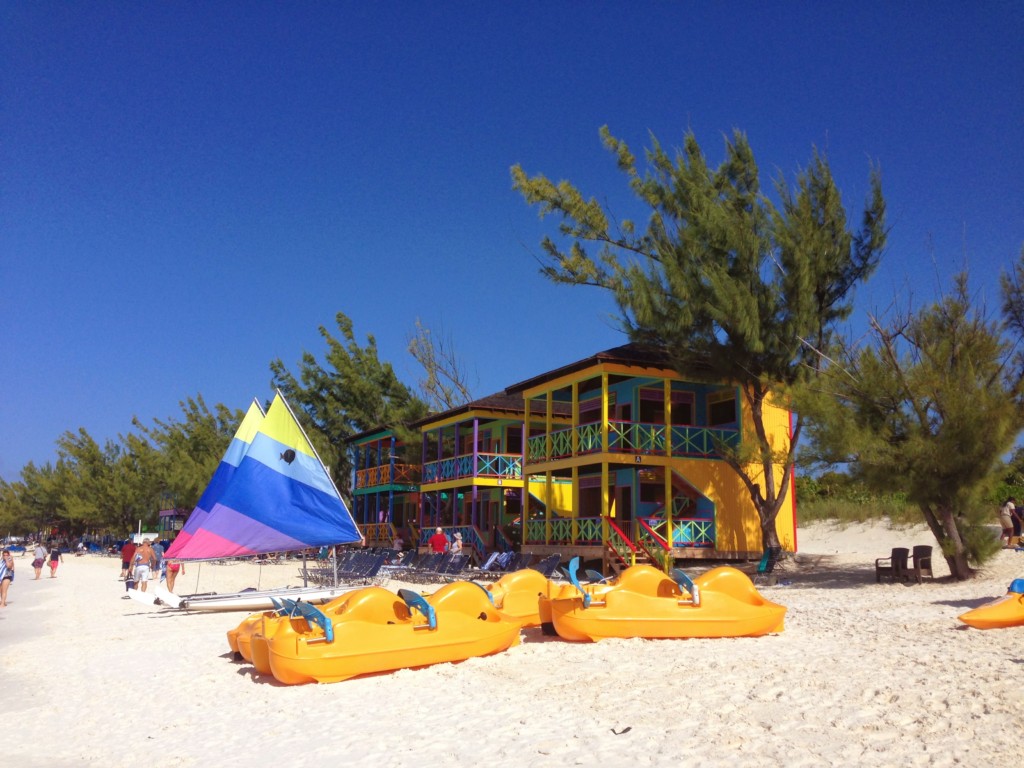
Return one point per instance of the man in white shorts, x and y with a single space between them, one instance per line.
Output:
145 558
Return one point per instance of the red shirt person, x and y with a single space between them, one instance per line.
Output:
438 543
127 554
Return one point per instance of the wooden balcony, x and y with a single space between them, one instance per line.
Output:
404 475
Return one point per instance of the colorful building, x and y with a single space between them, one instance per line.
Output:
615 457
640 449
385 491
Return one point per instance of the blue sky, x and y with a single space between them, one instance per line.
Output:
189 190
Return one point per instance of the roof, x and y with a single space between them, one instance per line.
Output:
647 355
503 402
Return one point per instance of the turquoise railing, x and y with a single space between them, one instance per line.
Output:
503 465
652 533
686 532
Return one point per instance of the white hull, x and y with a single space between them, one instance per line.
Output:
261 601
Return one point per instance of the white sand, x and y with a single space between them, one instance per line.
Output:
864 674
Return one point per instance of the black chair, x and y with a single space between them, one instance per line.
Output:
921 563
895 567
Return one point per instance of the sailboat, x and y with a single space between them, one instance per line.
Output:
270 493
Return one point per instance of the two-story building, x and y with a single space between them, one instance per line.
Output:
615 456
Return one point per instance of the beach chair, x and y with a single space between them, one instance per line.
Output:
451 569
489 562
548 565
519 562
893 567
921 563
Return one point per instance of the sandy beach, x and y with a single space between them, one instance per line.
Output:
864 674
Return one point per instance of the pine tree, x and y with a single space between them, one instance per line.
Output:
734 287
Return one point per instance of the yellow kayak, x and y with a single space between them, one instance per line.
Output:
375 630
1006 611
645 602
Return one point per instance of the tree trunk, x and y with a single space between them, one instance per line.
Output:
769 535
942 523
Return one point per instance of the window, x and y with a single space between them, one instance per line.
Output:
722 409
682 409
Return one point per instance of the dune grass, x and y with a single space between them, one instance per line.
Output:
847 512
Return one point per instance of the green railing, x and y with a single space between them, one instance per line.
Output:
633 437
564 530
624 549
702 441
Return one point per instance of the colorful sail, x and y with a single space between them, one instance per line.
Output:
221 477
279 499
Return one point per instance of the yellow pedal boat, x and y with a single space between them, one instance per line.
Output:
263 623
645 602
240 638
1006 611
375 630
517 595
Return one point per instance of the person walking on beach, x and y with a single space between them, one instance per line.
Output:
1016 518
38 558
6 575
56 558
1006 513
158 569
173 569
456 547
145 559
127 558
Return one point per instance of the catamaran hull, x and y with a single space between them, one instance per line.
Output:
261 601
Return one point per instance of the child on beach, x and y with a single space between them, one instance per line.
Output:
56 558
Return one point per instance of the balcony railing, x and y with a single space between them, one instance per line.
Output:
632 437
402 474
493 465
686 532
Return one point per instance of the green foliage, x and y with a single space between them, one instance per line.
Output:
114 486
735 288
928 409
844 499
351 392
191 449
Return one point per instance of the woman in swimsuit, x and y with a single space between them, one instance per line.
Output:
6 576
173 569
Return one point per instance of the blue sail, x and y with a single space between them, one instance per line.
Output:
279 498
